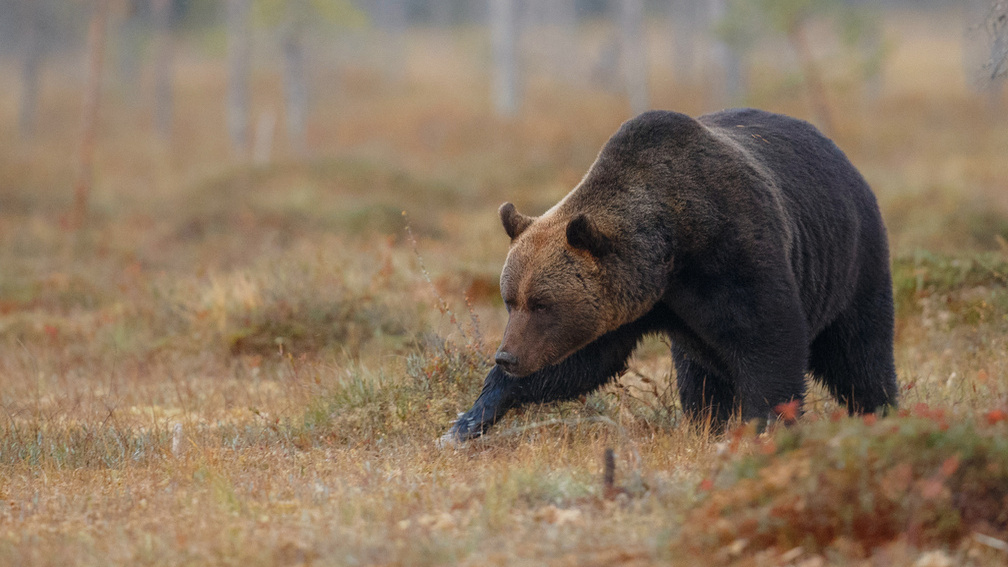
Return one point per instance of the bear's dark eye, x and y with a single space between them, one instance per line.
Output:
536 306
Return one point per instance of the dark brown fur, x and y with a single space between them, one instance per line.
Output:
746 237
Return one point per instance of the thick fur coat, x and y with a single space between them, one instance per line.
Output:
746 237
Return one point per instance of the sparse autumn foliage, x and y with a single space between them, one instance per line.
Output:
922 477
340 13
747 21
132 434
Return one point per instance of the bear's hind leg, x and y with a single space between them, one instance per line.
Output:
853 356
705 396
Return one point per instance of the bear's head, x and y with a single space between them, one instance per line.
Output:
601 258
555 288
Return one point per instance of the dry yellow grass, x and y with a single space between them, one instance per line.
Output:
236 365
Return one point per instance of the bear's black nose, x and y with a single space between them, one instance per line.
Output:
506 360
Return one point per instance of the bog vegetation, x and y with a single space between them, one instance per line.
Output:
237 363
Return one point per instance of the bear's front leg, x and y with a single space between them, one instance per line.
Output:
580 373
747 348
493 402
771 368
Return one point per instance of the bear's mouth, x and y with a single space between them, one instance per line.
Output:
548 361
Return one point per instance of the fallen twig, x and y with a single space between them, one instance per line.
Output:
486 439
991 542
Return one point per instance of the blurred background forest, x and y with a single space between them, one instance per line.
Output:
222 341
184 84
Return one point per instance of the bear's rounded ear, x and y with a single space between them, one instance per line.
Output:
584 235
514 222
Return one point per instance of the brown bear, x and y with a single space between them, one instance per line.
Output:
746 237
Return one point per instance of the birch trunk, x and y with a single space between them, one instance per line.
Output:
684 21
392 22
30 69
634 54
561 18
295 88
813 78
504 36
239 69
92 92
726 57
163 67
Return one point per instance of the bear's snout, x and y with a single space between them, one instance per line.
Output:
506 360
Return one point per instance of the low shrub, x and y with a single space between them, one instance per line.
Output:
925 476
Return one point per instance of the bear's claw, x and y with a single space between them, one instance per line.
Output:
492 403
463 429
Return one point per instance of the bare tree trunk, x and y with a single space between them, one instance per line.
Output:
239 69
295 88
262 145
996 26
726 57
392 21
530 14
874 48
634 52
441 12
30 68
163 67
561 17
684 22
998 66
92 92
504 36
562 14
131 36
813 79
734 83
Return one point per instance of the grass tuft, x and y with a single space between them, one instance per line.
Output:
367 407
305 325
80 446
926 274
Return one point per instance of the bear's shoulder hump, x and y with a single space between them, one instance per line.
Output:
656 128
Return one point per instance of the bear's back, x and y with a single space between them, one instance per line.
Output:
804 162
837 234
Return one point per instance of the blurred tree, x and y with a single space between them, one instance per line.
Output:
684 20
34 45
997 28
293 19
790 16
605 69
161 11
441 12
861 31
633 45
92 92
504 37
390 17
562 13
561 17
734 36
239 68
295 82
549 39
986 49
749 19
132 36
